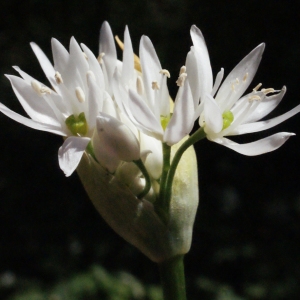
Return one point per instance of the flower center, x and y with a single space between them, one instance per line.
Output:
77 124
227 119
164 121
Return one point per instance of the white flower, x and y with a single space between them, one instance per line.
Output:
228 112
144 96
80 89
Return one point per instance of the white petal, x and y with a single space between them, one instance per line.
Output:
117 138
128 59
107 46
70 153
244 72
77 60
263 125
163 98
154 159
266 106
31 123
218 80
60 55
95 100
45 63
150 68
144 116
262 146
182 120
202 56
212 115
94 66
193 76
34 105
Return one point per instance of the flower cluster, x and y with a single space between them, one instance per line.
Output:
126 137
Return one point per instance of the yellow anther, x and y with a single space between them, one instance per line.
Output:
58 78
80 94
254 98
232 87
181 79
237 81
100 57
165 72
155 85
245 77
39 89
182 70
257 87
268 91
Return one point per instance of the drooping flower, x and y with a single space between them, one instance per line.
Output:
227 112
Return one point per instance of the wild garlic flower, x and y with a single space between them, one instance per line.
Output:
227 112
73 105
143 95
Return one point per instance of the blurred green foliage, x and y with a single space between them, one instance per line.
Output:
54 245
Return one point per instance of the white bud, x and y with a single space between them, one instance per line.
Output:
117 139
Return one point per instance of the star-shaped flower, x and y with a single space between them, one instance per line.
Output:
227 112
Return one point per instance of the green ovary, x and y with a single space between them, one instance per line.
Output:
164 121
227 119
77 124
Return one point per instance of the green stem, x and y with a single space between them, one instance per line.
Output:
197 136
144 171
172 278
161 206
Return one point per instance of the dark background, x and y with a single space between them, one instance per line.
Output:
246 237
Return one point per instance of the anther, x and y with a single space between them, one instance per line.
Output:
232 87
245 77
155 85
140 86
165 72
182 70
181 79
237 81
257 87
254 98
58 78
39 89
268 91
100 57
80 94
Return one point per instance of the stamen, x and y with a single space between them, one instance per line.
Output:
181 79
237 81
245 77
58 78
268 91
140 86
232 87
91 75
39 89
254 98
80 94
165 72
257 87
155 85
182 70
100 57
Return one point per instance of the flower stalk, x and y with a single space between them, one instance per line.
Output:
172 278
